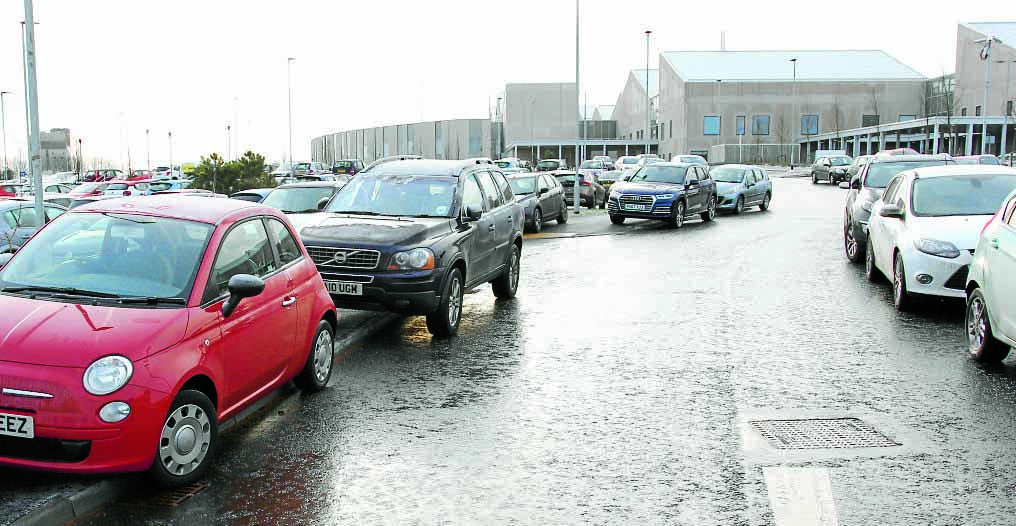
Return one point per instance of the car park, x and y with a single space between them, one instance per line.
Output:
866 188
550 165
991 289
671 192
608 163
101 175
19 222
542 199
626 161
127 188
741 186
832 169
254 195
411 236
591 193
165 173
926 225
175 316
169 185
977 159
347 166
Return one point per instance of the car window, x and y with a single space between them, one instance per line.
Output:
244 250
1011 220
1007 211
490 190
545 182
285 245
889 196
53 212
506 189
471 196
26 217
703 174
9 219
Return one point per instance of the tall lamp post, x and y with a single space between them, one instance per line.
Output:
289 93
794 108
148 151
171 155
31 87
1005 107
578 122
3 118
986 57
647 32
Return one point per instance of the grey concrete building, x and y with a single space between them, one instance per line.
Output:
450 139
754 98
56 150
630 108
971 72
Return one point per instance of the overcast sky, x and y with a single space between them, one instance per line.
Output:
110 69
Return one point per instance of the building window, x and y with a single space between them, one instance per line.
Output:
869 120
672 122
809 124
739 121
1008 108
977 111
760 125
963 111
904 117
711 125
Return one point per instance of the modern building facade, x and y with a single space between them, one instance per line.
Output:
56 150
451 139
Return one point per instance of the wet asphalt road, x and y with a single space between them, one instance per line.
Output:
615 390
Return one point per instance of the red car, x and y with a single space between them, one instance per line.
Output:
140 175
88 190
10 190
97 176
133 328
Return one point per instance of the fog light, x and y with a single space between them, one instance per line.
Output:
114 412
924 279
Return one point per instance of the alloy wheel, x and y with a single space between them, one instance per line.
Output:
455 302
851 244
186 436
977 324
515 271
323 356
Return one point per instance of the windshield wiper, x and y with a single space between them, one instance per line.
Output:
152 300
305 211
61 290
358 212
138 221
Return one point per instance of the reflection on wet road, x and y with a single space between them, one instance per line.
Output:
613 388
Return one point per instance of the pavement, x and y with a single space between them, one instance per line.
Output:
655 376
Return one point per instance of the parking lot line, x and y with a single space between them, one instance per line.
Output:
800 496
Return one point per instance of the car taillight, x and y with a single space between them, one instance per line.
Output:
585 182
126 192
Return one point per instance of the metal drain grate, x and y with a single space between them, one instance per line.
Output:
833 433
178 496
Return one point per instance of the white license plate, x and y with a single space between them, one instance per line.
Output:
17 426
640 208
342 287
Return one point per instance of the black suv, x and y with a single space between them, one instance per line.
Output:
867 186
411 236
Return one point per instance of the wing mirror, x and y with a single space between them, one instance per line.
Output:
855 183
893 211
4 258
544 190
473 213
241 286
827 163
845 185
692 182
322 203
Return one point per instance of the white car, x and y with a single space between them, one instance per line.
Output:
626 161
163 173
991 288
924 229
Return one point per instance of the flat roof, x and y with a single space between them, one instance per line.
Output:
772 66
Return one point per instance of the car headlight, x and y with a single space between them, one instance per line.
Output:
416 259
664 196
935 247
866 205
107 375
614 194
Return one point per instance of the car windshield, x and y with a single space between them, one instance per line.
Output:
396 195
629 160
159 187
548 165
523 185
343 164
727 174
591 164
125 255
961 195
87 187
503 164
840 161
302 166
253 198
161 168
879 174
298 200
117 186
660 174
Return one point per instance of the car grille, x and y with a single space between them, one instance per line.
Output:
632 198
329 257
958 281
45 449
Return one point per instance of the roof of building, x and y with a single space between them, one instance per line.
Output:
654 80
605 111
1004 31
771 66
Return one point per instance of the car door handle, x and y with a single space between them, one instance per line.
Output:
289 301
491 228
993 243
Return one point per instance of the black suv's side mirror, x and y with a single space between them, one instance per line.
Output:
893 211
241 286
473 213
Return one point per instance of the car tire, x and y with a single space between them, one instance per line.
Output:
766 200
537 221
814 178
320 358
445 320
617 220
562 218
710 212
592 202
850 245
676 219
870 270
507 284
981 341
187 442
902 300
739 205
603 202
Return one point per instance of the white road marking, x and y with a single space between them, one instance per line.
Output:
801 496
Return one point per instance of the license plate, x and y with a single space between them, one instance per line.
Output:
17 426
341 287
640 208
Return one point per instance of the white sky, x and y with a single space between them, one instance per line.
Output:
178 64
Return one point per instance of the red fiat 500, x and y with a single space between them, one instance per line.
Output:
133 327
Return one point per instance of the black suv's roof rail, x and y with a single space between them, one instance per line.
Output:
392 158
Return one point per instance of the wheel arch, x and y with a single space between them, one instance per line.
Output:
204 385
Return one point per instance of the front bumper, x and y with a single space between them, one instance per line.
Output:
727 202
659 209
403 292
948 276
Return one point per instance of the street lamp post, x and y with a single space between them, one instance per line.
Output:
31 87
986 57
171 155
794 108
1005 107
148 151
3 118
578 122
647 33
289 93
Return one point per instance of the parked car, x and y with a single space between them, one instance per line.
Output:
831 169
855 165
61 178
411 236
188 169
57 189
608 163
89 189
899 151
283 174
626 161
309 169
141 175
926 225
592 169
1008 159
550 165
689 159
609 178
591 193
670 192
81 201
977 159
347 166
98 176
169 185
191 192
19 221
127 188
160 173
185 313
511 165
991 289
866 187
542 198
740 186
254 195
11 189
302 198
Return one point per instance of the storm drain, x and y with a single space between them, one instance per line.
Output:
833 433
178 496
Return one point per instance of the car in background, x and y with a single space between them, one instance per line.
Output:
56 189
127 188
610 178
160 173
413 235
141 175
13 189
591 193
314 168
626 161
302 198
925 228
550 165
511 165
855 165
347 166
191 192
592 169
19 222
651 159
740 186
254 195
284 173
136 291
542 199
608 163
81 201
899 151
991 289
977 159
670 192
832 169
61 178
169 185
188 169
88 189
101 175
866 188
690 159
1008 159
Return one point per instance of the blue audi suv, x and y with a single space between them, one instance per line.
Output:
671 192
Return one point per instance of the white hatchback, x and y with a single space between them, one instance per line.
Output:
924 230
991 288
